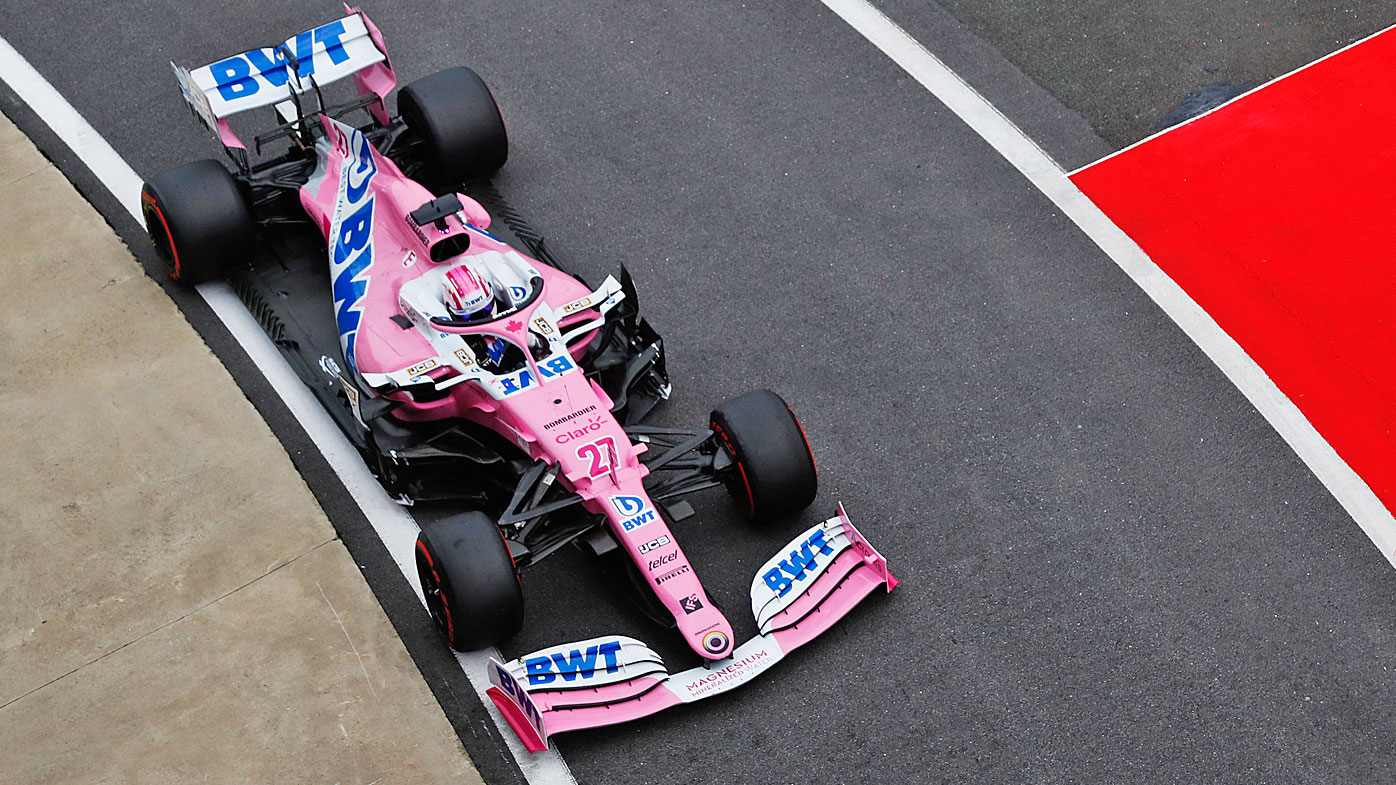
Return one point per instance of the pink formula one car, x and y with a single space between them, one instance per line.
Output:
464 369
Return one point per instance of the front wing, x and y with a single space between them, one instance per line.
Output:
819 577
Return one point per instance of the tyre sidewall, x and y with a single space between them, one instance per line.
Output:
455 114
775 474
199 214
477 579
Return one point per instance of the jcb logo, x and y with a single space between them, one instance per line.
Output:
659 542
577 306
422 367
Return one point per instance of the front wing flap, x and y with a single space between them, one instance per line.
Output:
815 581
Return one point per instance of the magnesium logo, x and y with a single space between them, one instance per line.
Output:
573 665
802 560
352 254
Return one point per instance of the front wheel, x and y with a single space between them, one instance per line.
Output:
774 474
469 581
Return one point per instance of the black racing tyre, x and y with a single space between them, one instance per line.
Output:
469 580
457 118
197 216
774 474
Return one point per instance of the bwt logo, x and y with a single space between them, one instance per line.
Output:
353 241
524 379
514 690
634 509
628 505
545 670
803 559
237 76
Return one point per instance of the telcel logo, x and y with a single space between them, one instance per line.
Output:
574 664
662 560
803 559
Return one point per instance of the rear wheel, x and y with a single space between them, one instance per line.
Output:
469 581
774 474
198 218
457 118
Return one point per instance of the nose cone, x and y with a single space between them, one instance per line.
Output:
705 628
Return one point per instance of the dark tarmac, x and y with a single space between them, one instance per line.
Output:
1113 568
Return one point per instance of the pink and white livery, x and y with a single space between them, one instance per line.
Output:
465 369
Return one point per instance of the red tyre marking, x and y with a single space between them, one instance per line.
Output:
445 606
808 449
751 499
517 577
150 200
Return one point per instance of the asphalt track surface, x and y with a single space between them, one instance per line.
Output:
1113 569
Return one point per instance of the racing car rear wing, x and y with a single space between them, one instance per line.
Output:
799 594
296 67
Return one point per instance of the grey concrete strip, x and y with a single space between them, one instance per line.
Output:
297 678
142 493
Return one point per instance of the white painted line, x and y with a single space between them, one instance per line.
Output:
1044 173
395 527
1232 100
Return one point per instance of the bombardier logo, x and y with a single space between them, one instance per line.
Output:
568 418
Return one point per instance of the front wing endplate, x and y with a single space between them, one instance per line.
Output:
797 595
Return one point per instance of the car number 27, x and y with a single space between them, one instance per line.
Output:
602 455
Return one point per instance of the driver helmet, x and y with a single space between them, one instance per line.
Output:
467 294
